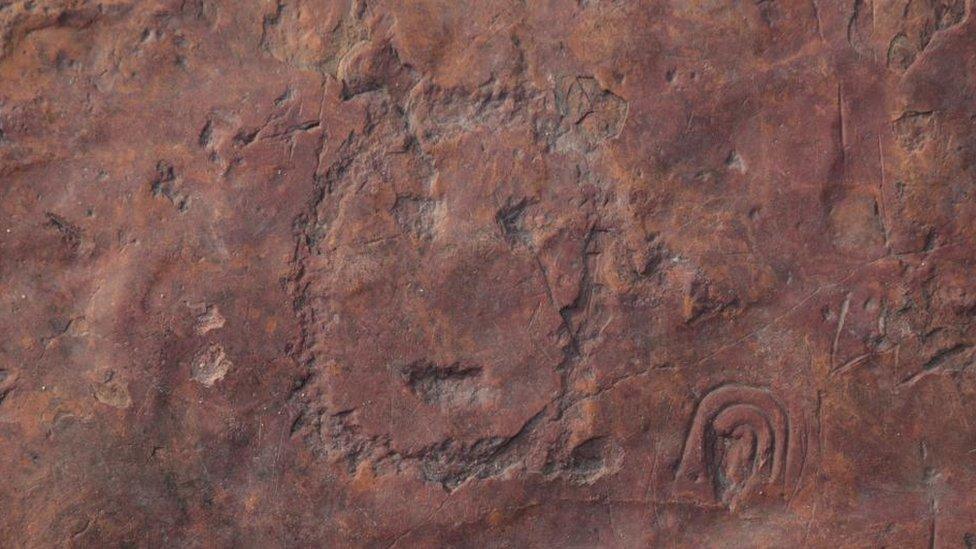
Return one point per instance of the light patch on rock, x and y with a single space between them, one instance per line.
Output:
113 393
210 365
210 320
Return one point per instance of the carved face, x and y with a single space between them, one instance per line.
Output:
736 459
741 458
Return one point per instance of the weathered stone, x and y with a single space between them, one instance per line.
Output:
495 273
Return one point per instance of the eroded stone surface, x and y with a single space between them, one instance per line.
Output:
496 273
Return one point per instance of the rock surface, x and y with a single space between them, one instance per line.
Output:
487 273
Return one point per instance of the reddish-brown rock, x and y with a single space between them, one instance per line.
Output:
496 273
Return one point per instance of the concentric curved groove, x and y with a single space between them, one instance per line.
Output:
722 413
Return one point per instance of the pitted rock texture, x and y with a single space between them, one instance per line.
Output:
493 273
